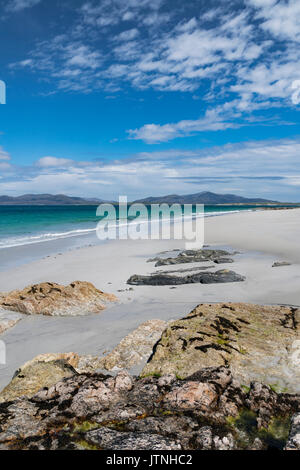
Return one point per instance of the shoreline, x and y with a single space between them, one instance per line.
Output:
16 255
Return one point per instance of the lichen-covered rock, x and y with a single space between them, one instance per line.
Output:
87 363
209 410
113 440
37 374
293 442
70 358
192 395
259 343
135 347
49 298
33 375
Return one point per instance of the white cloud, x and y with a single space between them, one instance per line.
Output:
81 56
18 5
3 154
220 118
275 163
103 13
46 162
281 18
127 35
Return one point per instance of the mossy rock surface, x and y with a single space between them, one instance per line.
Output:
258 342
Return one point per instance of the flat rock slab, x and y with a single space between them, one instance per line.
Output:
186 270
278 264
135 347
221 276
194 256
49 298
257 342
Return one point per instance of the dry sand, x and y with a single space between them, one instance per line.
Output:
262 237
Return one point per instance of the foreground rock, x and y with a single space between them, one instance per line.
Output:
195 256
208 410
257 343
134 348
46 369
8 320
217 277
293 442
43 371
48 298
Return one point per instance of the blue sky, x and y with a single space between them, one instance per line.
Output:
150 97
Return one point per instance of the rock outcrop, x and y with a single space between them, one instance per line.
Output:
36 375
195 256
208 410
217 277
45 370
135 347
293 442
49 298
257 343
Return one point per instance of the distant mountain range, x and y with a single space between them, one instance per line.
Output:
47 200
204 198
200 198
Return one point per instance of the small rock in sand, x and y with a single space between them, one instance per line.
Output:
278 264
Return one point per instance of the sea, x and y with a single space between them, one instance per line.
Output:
32 225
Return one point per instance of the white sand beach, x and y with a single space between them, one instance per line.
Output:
261 237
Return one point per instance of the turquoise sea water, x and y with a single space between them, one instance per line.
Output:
26 225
